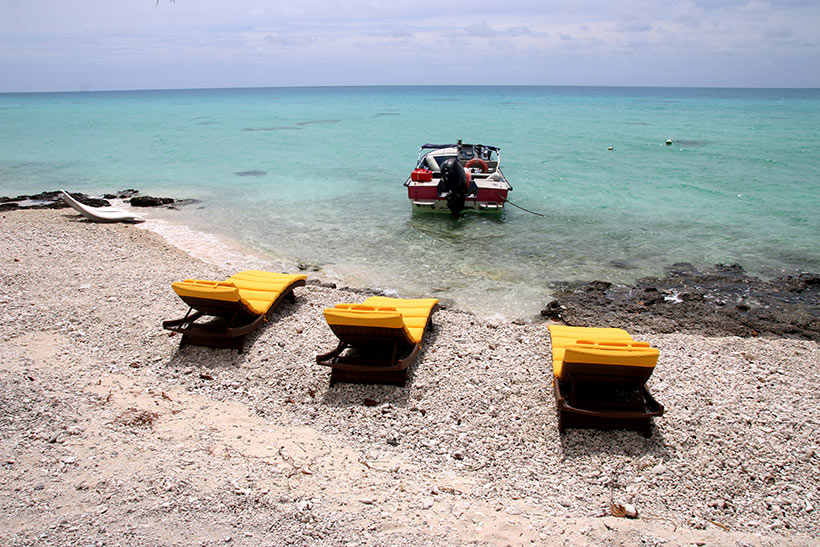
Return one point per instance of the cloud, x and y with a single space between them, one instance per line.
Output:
288 39
688 15
399 33
518 31
480 30
756 6
395 32
632 26
780 32
214 43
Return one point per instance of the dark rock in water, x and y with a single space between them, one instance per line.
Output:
598 286
150 201
552 311
122 194
718 302
7 206
681 268
253 173
177 203
621 264
312 267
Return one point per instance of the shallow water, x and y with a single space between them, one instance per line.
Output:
314 175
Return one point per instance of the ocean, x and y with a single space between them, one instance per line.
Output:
314 176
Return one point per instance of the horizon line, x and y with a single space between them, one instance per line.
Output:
123 90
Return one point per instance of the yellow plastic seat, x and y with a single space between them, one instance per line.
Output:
593 368
242 302
378 339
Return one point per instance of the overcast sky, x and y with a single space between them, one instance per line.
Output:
52 45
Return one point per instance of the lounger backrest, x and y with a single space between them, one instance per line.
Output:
618 362
254 291
198 293
261 289
201 288
633 354
414 311
364 307
612 344
587 333
562 336
361 321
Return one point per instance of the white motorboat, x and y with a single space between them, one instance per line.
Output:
458 177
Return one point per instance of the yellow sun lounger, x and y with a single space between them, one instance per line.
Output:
378 339
600 379
241 303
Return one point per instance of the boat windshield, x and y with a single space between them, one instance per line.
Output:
468 152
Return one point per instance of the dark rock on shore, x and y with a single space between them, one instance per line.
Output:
49 200
84 199
53 200
150 201
122 194
721 301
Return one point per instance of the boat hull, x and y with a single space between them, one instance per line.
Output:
438 176
424 197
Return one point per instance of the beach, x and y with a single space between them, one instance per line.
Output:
113 435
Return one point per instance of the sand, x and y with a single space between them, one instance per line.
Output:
113 435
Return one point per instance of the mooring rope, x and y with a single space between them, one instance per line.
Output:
507 200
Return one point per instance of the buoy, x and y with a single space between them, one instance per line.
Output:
668 142
610 148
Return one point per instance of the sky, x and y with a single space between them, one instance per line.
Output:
74 45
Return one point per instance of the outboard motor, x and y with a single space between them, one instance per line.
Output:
453 185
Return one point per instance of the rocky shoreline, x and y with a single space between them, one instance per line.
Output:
722 301
52 200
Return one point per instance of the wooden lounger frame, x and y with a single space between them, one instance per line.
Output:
585 398
378 355
234 324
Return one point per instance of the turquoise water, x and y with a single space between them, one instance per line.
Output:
739 184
